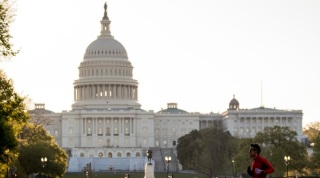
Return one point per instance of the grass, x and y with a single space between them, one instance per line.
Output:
132 175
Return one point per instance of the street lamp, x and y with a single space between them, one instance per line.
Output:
167 160
233 168
87 169
43 162
286 161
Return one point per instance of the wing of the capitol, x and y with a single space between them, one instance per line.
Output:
108 128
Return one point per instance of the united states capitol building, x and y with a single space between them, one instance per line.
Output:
108 128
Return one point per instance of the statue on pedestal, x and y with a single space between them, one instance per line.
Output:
149 156
149 167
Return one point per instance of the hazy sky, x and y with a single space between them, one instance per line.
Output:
195 53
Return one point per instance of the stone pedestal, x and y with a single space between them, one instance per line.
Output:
148 171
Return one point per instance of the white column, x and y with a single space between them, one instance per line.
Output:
127 92
87 91
92 92
82 92
98 86
130 125
122 124
111 129
114 92
104 91
136 93
133 125
85 125
108 93
74 93
78 93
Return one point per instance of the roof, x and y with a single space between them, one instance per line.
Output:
172 111
40 111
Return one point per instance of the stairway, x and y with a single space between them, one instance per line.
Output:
158 155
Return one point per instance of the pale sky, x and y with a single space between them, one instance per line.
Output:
195 53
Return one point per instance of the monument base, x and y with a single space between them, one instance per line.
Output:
148 171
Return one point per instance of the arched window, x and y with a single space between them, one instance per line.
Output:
110 155
118 154
137 154
128 155
100 155
81 154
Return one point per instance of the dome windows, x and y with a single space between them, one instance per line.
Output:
98 53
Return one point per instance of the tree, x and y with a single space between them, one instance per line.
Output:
315 158
241 157
12 117
39 144
312 130
33 152
208 151
215 158
188 144
6 17
278 142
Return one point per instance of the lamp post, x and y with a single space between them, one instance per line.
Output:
87 170
43 162
232 168
167 160
286 161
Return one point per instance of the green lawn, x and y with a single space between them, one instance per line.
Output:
132 175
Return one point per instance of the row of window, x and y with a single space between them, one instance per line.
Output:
127 131
103 63
107 143
248 130
109 155
106 72
116 143
266 120
114 53
167 122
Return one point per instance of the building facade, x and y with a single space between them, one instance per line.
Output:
108 128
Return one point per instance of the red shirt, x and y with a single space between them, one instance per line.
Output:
263 164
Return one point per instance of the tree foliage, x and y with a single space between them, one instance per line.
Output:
188 144
312 129
208 151
315 158
279 142
6 17
241 157
12 117
33 152
39 144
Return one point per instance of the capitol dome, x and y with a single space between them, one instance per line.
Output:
105 75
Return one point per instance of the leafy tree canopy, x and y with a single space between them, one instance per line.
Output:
208 151
38 144
12 116
278 142
312 130
32 153
6 17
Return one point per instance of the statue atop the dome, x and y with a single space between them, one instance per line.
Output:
105 11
